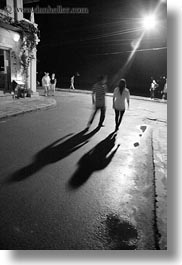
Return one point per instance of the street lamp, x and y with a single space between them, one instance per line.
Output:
16 37
149 22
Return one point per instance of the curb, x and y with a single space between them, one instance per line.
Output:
108 94
148 177
160 173
139 207
144 190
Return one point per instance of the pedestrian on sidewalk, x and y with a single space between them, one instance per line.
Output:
46 83
98 99
72 82
120 96
161 82
153 87
164 92
53 82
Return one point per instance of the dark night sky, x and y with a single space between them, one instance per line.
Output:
86 43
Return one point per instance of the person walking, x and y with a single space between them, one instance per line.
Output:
161 83
164 95
120 96
53 82
46 83
72 82
153 87
98 100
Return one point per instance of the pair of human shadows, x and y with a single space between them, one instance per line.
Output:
53 153
96 159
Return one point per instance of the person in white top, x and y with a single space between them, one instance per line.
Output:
153 87
72 82
46 83
53 82
120 96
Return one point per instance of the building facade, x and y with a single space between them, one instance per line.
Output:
16 63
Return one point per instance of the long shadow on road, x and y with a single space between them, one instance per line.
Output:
97 158
53 153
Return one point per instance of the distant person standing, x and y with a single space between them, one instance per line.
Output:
46 83
98 99
164 96
161 83
72 81
53 82
120 96
153 87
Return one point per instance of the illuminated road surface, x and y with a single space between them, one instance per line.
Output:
66 188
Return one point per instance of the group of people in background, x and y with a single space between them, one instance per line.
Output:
49 84
158 89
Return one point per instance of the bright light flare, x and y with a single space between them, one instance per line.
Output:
149 22
16 37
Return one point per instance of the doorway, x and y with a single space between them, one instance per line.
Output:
5 72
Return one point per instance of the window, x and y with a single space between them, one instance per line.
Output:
2 4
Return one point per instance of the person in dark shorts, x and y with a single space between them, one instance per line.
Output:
53 82
98 100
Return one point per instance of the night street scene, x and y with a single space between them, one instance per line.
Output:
83 123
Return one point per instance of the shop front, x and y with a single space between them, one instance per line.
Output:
10 67
18 41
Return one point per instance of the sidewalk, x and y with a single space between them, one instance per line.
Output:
12 107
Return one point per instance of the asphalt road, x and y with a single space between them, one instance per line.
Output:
62 187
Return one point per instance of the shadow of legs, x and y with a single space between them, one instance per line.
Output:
96 159
53 153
